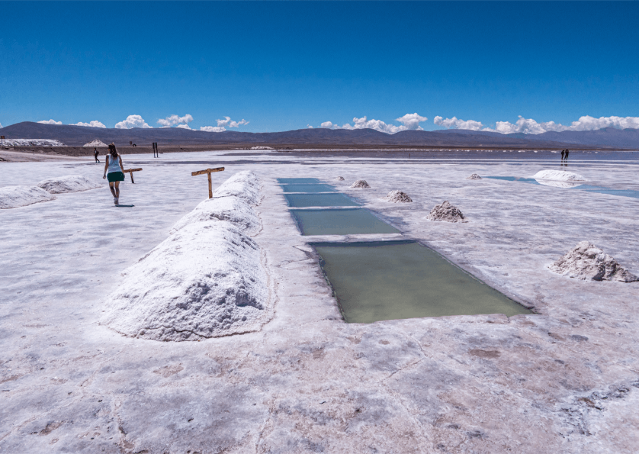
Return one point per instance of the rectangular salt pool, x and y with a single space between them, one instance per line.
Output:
297 180
391 280
340 222
307 188
319 200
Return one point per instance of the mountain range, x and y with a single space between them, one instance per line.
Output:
72 135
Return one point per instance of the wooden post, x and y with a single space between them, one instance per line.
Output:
208 172
130 171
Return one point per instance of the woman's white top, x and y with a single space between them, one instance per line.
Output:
114 164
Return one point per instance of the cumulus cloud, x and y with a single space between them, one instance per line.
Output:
230 123
0 125
92 124
222 124
530 126
184 127
408 122
50 122
456 123
213 128
585 123
175 120
132 121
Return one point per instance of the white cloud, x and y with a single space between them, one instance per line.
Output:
585 123
50 122
132 121
308 126
92 124
231 124
409 122
184 127
175 120
456 123
213 128
0 125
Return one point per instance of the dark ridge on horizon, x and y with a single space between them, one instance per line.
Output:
73 135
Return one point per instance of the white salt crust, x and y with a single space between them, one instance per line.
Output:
19 196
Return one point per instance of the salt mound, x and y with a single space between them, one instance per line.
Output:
19 196
558 175
446 212
340 178
243 184
398 196
69 183
360 184
205 280
558 184
232 209
474 176
587 262
95 144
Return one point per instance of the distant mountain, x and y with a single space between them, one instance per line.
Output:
621 138
73 135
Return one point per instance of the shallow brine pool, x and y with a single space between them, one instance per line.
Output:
320 200
340 222
307 188
297 180
375 281
573 185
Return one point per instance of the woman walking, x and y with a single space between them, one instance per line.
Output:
113 170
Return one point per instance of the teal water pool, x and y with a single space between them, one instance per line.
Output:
319 200
375 281
340 222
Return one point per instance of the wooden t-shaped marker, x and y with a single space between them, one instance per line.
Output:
208 172
130 171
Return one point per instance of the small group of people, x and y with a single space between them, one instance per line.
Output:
564 156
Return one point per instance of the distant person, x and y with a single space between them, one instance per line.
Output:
566 158
563 155
96 153
113 169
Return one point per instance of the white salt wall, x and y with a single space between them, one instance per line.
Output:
558 175
68 183
19 196
33 143
243 184
232 209
205 280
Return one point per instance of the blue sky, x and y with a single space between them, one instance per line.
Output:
286 65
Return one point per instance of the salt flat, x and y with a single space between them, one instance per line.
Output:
565 379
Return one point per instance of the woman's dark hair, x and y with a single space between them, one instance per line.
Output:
113 151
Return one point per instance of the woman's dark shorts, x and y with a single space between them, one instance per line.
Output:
115 176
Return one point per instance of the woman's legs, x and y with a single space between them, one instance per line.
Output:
112 188
117 190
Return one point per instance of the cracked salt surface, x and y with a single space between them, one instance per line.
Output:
307 381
